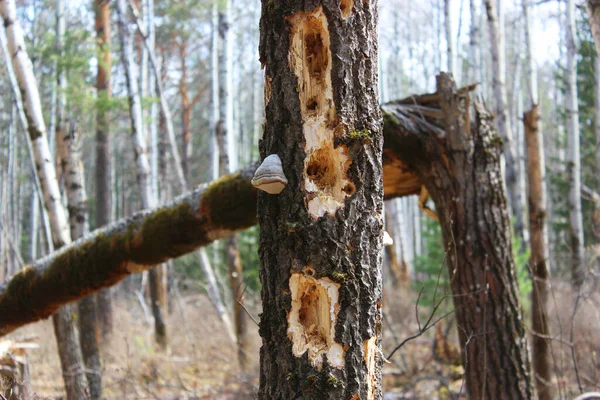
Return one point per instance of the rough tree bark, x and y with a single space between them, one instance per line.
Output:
67 335
148 198
574 162
502 117
74 180
321 238
103 166
538 232
461 170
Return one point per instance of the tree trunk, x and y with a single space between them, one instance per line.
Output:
73 172
186 110
164 106
321 237
462 173
474 75
147 195
538 231
103 150
539 254
502 118
574 157
67 335
449 39
596 223
225 142
593 9
214 92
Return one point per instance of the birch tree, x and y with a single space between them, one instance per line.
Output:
574 155
449 38
74 179
502 118
67 335
148 198
225 142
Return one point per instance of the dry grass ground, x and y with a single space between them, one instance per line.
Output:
201 361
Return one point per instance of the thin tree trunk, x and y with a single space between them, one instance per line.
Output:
103 151
73 173
449 39
147 195
34 225
539 254
502 117
321 237
224 140
214 92
462 173
574 158
164 106
186 110
66 332
536 191
474 50
596 226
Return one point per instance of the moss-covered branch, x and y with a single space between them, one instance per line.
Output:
131 245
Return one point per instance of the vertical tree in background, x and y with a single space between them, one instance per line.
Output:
574 155
74 179
147 195
496 32
449 40
65 328
225 139
593 9
321 237
474 71
103 164
536 194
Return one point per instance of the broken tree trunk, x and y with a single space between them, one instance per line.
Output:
538 231
321 237
461 171
536 177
